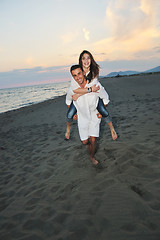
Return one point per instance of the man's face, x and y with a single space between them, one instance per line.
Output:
78 76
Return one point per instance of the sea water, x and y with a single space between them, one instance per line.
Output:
14 98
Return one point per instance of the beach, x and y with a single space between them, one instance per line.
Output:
49 189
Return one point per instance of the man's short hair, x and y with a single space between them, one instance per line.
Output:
73 67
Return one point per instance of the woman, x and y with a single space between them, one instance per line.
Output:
91 71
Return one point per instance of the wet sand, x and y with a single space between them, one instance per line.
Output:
50 190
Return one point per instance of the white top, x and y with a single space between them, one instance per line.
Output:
86 104
101 93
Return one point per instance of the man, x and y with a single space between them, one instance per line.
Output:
88 122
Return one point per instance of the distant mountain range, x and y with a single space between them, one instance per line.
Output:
122 73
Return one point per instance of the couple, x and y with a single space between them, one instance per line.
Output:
89 101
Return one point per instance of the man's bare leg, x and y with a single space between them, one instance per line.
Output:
67 134
113 132
92 147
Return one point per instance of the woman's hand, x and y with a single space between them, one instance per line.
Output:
95 88
75 96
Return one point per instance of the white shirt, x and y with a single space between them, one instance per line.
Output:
101 93
86 104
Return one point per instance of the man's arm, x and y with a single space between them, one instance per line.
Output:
69 96
103 94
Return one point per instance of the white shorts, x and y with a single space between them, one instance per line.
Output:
91 131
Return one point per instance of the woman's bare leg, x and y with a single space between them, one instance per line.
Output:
113 132
67 134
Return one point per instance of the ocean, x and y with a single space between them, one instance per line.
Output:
15 98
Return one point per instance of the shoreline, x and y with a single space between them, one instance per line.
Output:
31 104
50 190
101 79
20 97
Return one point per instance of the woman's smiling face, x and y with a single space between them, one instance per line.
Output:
86 60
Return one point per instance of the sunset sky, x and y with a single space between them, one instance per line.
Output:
40 39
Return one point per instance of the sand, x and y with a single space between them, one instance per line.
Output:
49 189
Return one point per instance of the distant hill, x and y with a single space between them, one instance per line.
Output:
113 74
125 73
156 69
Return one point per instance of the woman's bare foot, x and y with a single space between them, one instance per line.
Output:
114 134
93 160
67 135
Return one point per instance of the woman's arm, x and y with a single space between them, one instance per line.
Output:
76 96
78 90
83 91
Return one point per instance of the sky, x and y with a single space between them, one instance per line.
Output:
41 39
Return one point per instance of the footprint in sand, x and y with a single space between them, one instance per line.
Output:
147 196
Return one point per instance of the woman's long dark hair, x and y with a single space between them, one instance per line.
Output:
94 67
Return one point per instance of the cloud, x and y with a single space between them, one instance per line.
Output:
156 49
29 60
54 69
127 18
30 76
86 34
134 29
69 37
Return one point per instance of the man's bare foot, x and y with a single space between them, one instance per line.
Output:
114 134
99 115
67 135
93 160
